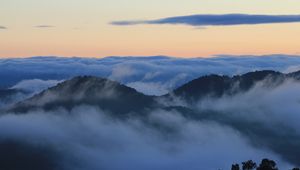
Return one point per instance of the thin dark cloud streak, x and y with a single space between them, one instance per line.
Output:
3 27
44 26
216 20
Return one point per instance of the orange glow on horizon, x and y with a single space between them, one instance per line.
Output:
82 29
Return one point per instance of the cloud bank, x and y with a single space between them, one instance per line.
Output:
2 27
217 20
151 75
272 110
88 138
260 123
35 85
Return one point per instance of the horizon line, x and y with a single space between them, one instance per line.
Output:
156 56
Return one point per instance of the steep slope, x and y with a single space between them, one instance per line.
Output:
88 90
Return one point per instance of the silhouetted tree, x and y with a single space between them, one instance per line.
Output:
249 165
296 169
267 164
235 167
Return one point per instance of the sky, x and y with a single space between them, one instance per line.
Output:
87 28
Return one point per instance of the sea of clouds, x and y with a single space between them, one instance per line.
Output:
150 75
88 138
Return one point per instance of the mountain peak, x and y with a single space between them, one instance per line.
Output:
88 90
216 85
213 85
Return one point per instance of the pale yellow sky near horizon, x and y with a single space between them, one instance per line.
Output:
81 28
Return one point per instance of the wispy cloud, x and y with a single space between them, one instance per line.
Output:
216 20
44 26
3 28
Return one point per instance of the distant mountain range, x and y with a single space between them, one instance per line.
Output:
120 99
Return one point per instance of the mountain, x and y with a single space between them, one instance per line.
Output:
294 75
120 100
258 133
88 90
117 98
216 85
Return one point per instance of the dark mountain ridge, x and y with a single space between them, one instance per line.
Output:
117 98
217 86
